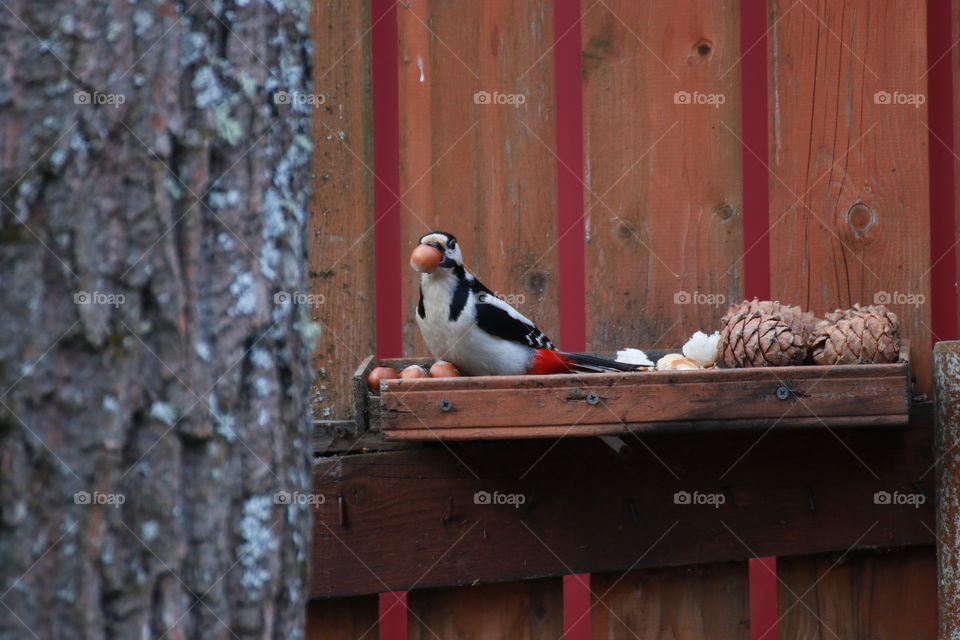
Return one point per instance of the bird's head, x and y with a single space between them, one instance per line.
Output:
436 251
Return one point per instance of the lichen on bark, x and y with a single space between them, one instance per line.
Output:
153 200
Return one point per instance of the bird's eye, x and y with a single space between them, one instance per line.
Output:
452 244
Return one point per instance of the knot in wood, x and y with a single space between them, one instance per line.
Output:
724 211
860 219
536 282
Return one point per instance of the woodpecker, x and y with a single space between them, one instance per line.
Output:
465 323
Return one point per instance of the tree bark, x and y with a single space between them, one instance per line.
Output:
153 377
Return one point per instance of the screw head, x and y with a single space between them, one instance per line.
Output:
446 405
783 393
593 398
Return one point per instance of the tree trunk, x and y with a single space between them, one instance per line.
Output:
153 374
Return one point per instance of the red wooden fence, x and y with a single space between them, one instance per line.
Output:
668 158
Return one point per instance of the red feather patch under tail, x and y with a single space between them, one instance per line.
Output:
547 361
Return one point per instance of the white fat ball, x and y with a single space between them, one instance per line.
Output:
702 348
634 356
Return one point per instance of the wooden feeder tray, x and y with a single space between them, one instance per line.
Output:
594 404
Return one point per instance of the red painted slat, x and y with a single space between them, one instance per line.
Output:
943 259
756 244
570 227
576 607
393 615
386 167
756 195
386 206
763 599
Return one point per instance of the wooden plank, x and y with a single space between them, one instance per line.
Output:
393 619
568 73
483 172
360 390
849 212
527 610
663 179
341 245
639 403
342 618
398 436
386 165
411 516
943 17
708 376
328 439
762 575
954 150
548 406
869 594
754 136
701 602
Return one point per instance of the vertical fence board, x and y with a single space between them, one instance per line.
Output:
384 32
755 142
568 76
764 618
955 70
527 610
943 166
849 214
341 241
663 195
705 602
888 596
342 619
483 172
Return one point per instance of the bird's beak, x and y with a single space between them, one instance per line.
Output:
425 258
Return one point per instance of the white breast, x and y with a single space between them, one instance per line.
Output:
473 351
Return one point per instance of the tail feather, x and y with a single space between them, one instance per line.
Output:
584 362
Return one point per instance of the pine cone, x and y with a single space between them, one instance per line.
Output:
871 310
861 335
753 338
801 322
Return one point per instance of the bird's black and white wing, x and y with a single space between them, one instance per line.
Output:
498 318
